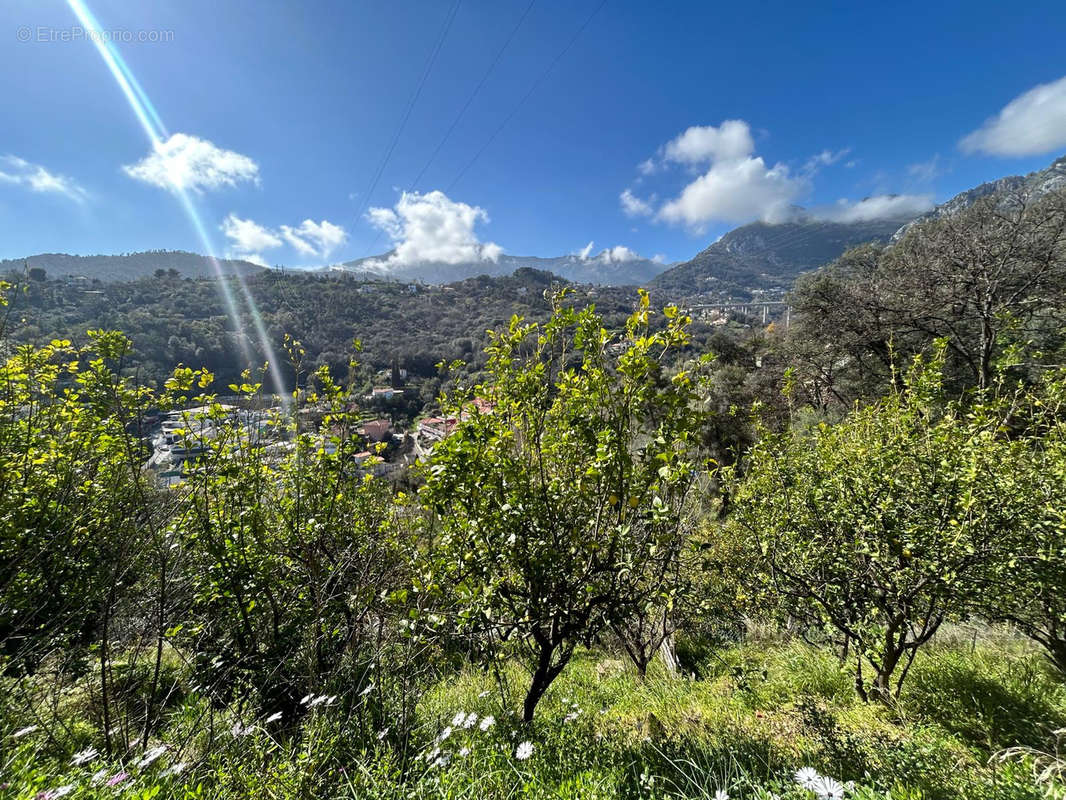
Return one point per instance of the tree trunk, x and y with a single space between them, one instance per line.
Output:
537 687
669 656
543 675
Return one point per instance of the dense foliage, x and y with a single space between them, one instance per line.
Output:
862 599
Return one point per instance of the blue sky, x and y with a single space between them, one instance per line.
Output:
659 128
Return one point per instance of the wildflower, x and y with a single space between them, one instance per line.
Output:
470 721
444 734
571 716
524 751
484 694
807 777
721 794
241 730
84 756
382 734
176 768
62 791
305 699
319 701
369 688
23 731
464 752
829 789
458 719
442 760
487 722
98 776
118 778
273 717
151 755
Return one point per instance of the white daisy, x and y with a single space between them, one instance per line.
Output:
84 756
23 731
175 769
458 719
829 789
151 755
807 777
470 721
524 751
273 717
721 794
444 734
487 723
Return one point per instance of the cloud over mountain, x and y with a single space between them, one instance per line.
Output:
432 228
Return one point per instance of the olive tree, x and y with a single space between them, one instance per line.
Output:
561 511
884 525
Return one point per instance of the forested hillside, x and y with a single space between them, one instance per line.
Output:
129 266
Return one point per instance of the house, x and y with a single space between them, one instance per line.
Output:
383 393
376 430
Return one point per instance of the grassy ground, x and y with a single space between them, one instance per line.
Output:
755 715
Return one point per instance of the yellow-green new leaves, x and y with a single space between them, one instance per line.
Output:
562 511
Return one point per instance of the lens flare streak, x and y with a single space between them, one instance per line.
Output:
157 133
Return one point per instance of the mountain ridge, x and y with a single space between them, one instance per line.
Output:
129 266
600 269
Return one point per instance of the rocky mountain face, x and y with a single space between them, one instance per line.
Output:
769 256
129 266
594 269
1033 186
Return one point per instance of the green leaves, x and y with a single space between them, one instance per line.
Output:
560 511
887 523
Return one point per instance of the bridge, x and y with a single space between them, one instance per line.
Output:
764 308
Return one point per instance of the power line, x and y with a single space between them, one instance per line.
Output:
526 96
463 110
477 89
430 61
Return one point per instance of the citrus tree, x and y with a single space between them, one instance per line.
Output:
560 508
884 525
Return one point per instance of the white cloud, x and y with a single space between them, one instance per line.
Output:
20 172
611 255
248 236
1032 123
315 238
926 171
883 206
252 258
735 191
634 206
185 162
432 228
617 255
825 158
705 143
647 167
737 185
